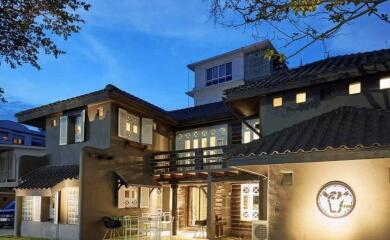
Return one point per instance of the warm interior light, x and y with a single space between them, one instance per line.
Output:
301 97
384 83
354 88
277 101
128 127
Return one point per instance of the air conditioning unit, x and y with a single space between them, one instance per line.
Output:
259 230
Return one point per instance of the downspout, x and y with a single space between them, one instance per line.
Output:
236 115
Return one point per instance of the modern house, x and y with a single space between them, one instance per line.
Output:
299 153
21 150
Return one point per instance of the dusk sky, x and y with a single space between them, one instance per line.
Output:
143 47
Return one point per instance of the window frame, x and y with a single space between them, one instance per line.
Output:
219 77
251 195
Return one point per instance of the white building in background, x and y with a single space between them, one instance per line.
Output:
218 73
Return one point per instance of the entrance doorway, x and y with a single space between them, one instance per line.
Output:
197 204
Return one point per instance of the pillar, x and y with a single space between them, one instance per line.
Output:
174 187
210 208
18 215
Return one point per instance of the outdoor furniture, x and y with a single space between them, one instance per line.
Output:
130 224
166 223
201 225
112 227
150 225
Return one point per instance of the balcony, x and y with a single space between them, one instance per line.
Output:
191 161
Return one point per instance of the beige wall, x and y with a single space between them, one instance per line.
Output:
293 213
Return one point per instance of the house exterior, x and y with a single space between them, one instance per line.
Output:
282 150
21 150
231 69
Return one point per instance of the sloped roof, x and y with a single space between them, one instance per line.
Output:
343 128
131 176
206 112
48 176
327 70
109 92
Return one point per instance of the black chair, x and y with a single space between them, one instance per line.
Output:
112 227
201 224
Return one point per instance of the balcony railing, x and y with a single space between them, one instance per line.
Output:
184 161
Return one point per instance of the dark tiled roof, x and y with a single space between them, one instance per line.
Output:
104 93
131 176
48 176
331 69
345 127
202 112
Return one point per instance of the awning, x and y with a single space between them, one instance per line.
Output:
48 176
135 177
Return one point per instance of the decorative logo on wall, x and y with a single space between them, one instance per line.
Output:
336 199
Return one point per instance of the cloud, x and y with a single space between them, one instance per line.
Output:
8 109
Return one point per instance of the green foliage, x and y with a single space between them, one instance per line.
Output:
289 18
28 27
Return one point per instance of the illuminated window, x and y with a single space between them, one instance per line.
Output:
384 83
277 102
31 208
354 88
73 205
250 202
301 97
129 126
213 142
187 144
18 140
202 137
247 134
195 143
53 123
100 112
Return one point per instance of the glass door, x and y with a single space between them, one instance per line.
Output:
197 204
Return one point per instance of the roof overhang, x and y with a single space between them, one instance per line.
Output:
309 157
248 48
134 177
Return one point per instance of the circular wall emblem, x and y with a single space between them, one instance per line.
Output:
336 199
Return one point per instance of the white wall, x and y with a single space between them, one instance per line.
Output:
214 93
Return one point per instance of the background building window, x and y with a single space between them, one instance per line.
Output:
384 83
354 88
18 140
4 137
219 74
247 134
250 202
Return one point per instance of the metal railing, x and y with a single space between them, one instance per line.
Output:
192 160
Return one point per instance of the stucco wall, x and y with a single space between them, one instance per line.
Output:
293 213
274 119
97 134
214 93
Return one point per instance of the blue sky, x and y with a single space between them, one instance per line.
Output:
143 47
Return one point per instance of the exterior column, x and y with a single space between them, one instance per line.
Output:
210 208
263 191
174 187
18 215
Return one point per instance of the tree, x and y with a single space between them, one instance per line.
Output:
299 22
28 28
